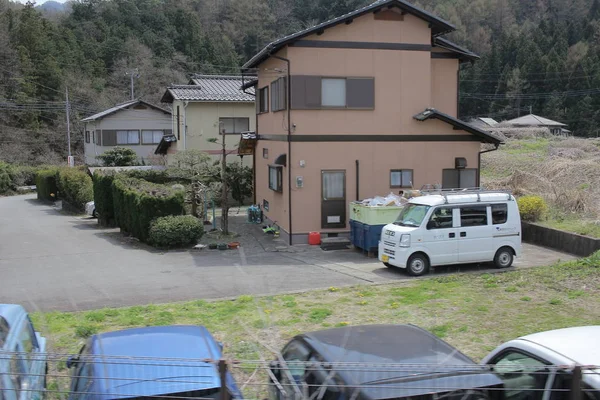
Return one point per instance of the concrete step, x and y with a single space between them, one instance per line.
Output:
335 243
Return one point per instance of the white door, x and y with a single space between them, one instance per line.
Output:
441 236
475 235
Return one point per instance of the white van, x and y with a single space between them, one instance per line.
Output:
453 227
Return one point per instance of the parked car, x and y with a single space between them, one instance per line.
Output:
162 361
453 228
523 363
378 362
90 209
23 366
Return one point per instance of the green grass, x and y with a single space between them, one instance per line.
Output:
538 146
472 312
574 225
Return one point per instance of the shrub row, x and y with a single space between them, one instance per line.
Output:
137 202
45 181
103 197
175 231
13 176
74 186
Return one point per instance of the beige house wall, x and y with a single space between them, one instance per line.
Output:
444 86
199 122
278 202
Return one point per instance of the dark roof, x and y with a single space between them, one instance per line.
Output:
120 107
438 26
464 54
220 88
164 144
392 361
432 113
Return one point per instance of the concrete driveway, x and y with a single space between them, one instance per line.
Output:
53 261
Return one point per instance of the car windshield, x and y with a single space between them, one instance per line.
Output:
412 215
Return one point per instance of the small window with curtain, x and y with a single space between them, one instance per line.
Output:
87 136
231 126
128 137
152 137
333 92
278 95
263 100
401 178
276 178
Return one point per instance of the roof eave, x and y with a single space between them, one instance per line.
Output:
482 135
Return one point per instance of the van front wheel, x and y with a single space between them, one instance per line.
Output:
417 265
503 258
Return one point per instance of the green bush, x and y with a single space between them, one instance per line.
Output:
45 181
118 157
103 196
6 178
151 175
75 186
175 231
532 208
136 203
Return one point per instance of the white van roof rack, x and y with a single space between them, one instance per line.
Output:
433 190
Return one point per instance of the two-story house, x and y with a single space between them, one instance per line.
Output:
207 108
135 124
361 105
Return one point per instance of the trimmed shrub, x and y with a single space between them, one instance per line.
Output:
175 231
155 176
103 196
45 181
532 208
75 186
6 178
136 203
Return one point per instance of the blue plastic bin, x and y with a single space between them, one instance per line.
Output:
365 237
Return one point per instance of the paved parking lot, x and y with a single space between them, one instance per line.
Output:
53 261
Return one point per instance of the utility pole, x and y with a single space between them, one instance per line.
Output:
132 74
67 105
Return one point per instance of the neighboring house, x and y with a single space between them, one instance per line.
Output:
135 124
208 107
372 110
483 123
535 121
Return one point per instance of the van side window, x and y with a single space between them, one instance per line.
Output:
3 331
441 219
473 216
499 213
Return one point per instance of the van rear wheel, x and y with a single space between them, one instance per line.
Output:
504 257
417 265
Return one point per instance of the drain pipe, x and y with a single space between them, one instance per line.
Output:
289 129
479 163
357 181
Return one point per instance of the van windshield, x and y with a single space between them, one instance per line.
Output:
412 215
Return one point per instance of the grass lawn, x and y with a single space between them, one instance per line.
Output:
575 225
473 312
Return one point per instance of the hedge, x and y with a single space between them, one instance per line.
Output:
13 176
137 202
74 186
45 182
6 178
175 231
103 197
532 208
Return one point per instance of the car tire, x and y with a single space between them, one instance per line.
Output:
417 265
504 258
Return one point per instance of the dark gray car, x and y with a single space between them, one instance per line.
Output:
378 362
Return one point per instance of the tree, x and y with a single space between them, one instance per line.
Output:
195 166
240 180
119 157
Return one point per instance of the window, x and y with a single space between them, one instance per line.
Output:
441 218
412 215
234 125
401 178
83 380
459 178
333 92
524 376
128 137
333 185
276 178
87 136
499 213
3 331
151 137
473 216
265 153
322 383
17 372
278 95
263 100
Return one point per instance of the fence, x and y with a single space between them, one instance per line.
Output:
56 376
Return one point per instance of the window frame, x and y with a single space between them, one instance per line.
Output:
153 132
460 215
278 104
235 130
87 136
128 132
263 93
4 330
504 352
279 184
265 152
402 185
335 78
505 207
430 228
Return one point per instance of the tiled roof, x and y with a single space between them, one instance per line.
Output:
533 120
119 107
225 88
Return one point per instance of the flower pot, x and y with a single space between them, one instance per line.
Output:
212 246
234 245
222 246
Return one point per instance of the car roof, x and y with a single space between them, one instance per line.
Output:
580 344
411 351
457 198
166 360
11 313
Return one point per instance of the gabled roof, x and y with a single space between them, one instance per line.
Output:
120 107
488 121
533 120
438 26
220 88
432 113
464 54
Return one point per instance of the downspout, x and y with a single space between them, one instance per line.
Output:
289 129
357 182
479 163
185 104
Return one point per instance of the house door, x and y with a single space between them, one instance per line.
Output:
333 199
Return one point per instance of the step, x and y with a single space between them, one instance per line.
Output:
335 243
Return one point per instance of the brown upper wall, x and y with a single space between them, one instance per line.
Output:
444 85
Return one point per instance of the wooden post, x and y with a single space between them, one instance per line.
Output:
224 203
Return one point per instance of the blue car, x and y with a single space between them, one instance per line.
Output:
23 365
161 361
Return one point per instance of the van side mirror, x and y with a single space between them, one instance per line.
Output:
71 361
220 344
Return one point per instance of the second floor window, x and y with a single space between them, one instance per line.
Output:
234 125
333 92
128 137
278 95
263 100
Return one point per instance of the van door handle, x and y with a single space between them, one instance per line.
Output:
452 235
463 234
